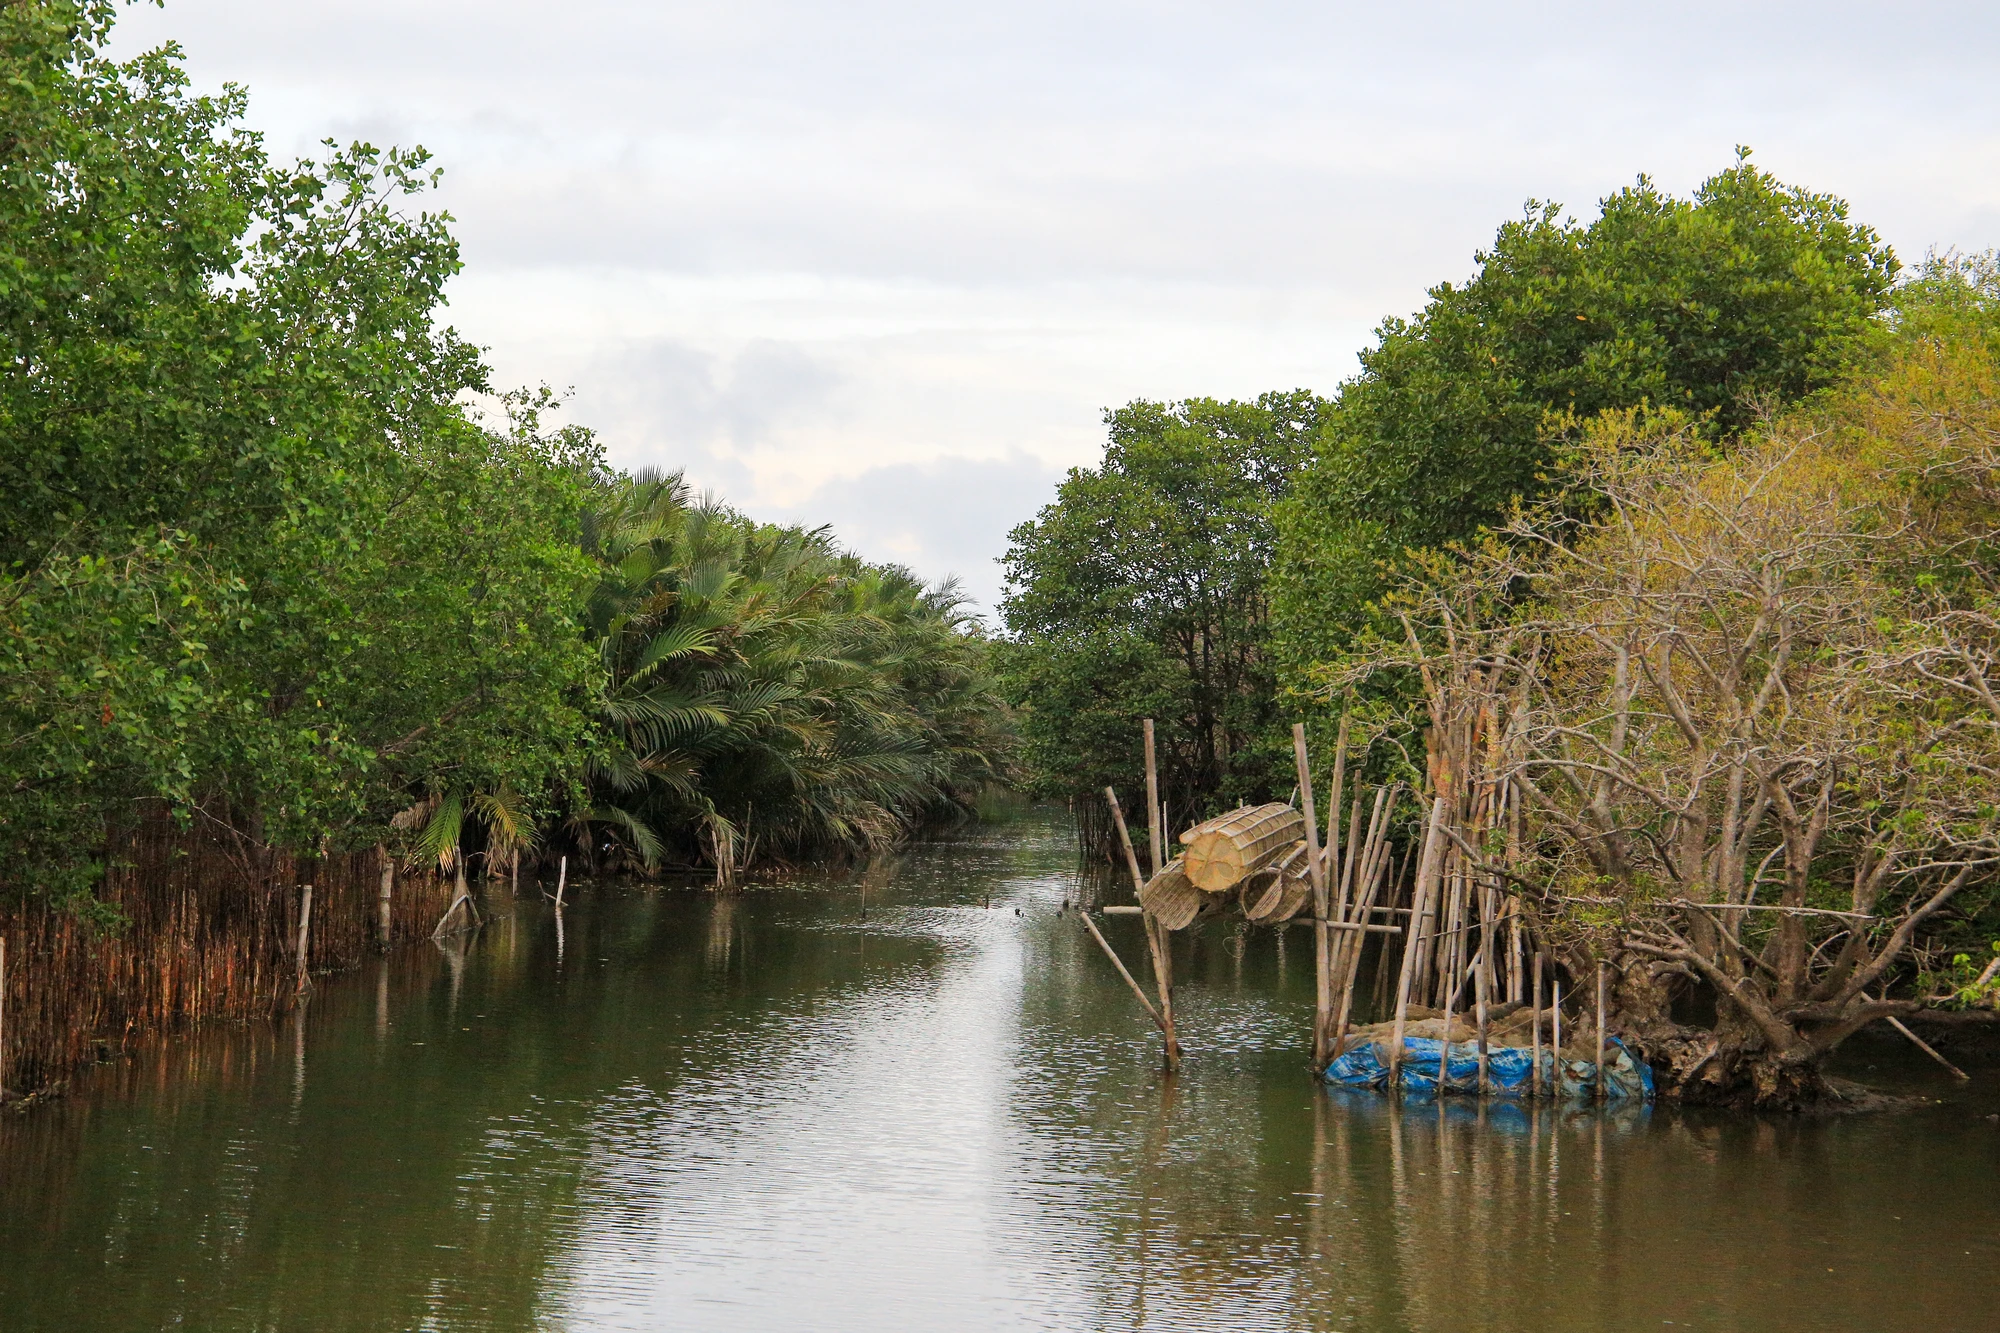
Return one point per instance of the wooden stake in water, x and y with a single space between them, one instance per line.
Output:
1535 1078
1421 915
383 914
1556 1032
1602 1090
1154 829
1322 936
1158 943
1123 971
562 881
305 933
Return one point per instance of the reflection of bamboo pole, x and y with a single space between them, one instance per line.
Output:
1159 944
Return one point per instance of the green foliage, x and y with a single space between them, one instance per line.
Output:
1141 593
1749 295
767 692
256 560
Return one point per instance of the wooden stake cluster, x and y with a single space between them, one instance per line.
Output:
1465 942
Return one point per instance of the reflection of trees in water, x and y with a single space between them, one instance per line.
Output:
721 931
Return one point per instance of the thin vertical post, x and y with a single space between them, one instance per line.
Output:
1444 1046
1420 913
1154 829
1556 1034
1322 933
1602 1091
383 895
1535 1077
1479 986
305 932
562 881
3 1013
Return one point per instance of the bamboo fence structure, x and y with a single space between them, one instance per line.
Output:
1457 945
201 940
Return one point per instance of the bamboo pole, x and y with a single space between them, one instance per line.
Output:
1154 830
562 880
1157 942
384 916
1419 920
1316 869
1444 1047
1602 1091
1556 1033
305 934
1119 963
1370 858
1928 1049
1483 981
1380 996
1479 982
1535 1017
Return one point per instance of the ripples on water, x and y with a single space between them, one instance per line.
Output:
778 1110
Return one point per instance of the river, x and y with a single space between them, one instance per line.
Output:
917 1097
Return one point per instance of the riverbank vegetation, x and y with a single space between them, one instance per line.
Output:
1660 552
1740 704
1223 555
279 563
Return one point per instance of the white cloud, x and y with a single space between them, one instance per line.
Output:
819 254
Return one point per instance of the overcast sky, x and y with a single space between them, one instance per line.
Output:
883 265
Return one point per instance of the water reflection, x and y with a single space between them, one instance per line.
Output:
884 1104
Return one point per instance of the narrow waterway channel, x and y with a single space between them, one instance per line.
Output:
917 1098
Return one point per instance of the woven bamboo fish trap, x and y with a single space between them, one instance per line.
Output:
1171 898
1226 850
1280 890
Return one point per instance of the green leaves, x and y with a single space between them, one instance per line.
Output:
768 692
1141 592
257 559
1748 295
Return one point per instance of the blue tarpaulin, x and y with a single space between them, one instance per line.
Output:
1509 1070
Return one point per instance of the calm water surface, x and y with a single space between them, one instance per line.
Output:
878 1102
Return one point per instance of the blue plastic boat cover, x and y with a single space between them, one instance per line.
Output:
1508 1070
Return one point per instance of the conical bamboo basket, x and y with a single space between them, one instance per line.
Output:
1225 851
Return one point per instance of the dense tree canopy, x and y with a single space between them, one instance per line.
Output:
770 693
1750 295
1141 593
263 566
258 559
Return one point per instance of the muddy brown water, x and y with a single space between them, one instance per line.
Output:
770 1110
